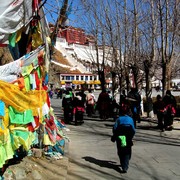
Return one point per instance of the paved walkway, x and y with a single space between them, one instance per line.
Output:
155 153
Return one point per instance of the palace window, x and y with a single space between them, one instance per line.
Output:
67 77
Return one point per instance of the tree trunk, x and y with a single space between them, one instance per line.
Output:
149 104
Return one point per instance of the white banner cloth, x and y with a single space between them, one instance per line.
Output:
14 14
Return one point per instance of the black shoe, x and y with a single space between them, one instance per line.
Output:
169 128
123 171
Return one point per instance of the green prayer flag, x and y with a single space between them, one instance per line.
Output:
12 39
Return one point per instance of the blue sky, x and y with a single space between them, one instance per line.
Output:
52 6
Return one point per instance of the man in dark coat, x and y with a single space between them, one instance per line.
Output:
123 133
135 104
103 104
170 106
159 110
67 105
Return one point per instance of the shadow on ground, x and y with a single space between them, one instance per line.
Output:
102 163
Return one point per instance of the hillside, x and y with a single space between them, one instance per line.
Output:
55 70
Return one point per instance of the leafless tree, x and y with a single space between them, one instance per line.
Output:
168 26
142 32
96 22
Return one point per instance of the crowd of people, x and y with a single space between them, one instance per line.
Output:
76 104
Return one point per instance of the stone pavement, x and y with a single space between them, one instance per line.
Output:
155 155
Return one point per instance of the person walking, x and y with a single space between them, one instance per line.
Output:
159 110
135 106
90 101
122 97
103 104
111 103
170 109
59 93
51 93
83 96
123 133
67 106
78 109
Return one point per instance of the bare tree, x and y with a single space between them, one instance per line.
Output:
99 25
168 24
126 45
135 33
149 55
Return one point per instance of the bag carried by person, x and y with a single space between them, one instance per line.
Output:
123 141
